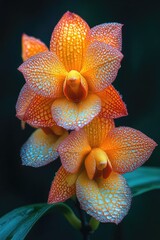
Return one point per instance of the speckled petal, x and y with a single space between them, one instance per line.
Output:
127 148
40 149
45 74
110 33
24 99
97 130
34 109
112 103
31 46
68 40
73 150
70 115
107 200
61 188
101 65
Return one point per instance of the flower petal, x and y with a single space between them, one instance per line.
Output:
68 40
24 99
90 166
112 103
41 148
45 74
70 115
127 148
73 150
97 130
101 65
107 200
31 46
61 188
34 109
110 33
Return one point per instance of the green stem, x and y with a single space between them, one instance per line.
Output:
94 224
70 216
86 229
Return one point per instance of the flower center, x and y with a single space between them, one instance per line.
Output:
75 87
97 164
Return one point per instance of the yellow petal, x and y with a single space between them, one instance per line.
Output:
44 74
40 149
68 40
101 65
73 151
97 130
127 148
70 115
107 200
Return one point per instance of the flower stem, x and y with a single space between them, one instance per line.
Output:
86 229
94 224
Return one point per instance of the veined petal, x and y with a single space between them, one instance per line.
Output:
73 150
110 33
107 200
24 99
112 103
34 109
31 46
97 130
101 65
127 148
45 74
70 115
40 149
61 188
68 40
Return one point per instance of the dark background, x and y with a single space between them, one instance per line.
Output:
138 81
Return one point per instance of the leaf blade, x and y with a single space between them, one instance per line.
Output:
16 224
143 179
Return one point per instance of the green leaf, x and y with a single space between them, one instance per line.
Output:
16 224
143 179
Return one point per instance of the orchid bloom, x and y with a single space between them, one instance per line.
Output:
41 147
71 84
93 160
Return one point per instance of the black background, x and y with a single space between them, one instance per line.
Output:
138 81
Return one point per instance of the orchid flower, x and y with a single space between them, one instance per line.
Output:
93 161
71 84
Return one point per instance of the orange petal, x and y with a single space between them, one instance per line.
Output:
70 115
24 99
73 151
45 74
110 33
112 103
101 65
127 148
31 46
40 149
61 189
97 130
90 165
107 200
68 40
34 109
